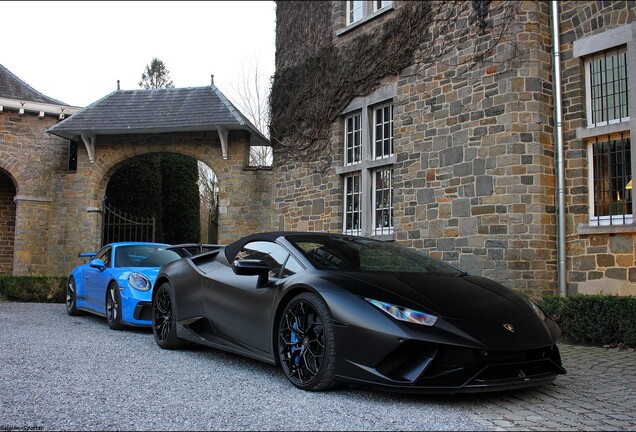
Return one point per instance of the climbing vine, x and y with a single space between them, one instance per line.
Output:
315 82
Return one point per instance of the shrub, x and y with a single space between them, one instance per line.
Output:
45 289
594 319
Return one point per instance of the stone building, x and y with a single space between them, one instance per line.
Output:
56 161
446 127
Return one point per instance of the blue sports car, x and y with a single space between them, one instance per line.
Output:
117 282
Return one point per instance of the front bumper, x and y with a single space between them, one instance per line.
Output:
422 367
143 311
136 307
450 357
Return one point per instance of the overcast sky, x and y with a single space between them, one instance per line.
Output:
76 51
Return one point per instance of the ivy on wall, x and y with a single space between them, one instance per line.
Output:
316 80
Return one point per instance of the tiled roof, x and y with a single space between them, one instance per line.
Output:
12 87
156 111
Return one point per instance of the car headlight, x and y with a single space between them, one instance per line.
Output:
537 310
404 314
139 281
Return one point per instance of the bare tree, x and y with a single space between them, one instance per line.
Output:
209 193
251 95
156 75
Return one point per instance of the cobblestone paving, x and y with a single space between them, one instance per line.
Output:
598 393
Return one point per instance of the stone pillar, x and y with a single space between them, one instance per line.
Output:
31 235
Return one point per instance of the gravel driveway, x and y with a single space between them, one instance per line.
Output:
72 373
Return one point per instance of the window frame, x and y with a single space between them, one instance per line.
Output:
607 220
369 11
366 168
353 212
590 92
351 9
383 122
391 227
353 134
585 49
381 4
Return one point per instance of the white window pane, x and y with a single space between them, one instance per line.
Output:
354 11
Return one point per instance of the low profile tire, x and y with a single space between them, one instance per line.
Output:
306 343
71 298
113 307
164 324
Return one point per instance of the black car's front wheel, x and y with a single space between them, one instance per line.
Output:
306 343
164 323
113 307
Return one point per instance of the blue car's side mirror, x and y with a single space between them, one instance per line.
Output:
98 264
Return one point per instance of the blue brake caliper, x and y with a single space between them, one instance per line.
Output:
294 340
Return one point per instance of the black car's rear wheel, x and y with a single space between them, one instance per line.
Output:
306 343
71 298
164 323
113 307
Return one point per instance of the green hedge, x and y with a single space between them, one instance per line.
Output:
43 289
594 319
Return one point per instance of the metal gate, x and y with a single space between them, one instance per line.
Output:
121 226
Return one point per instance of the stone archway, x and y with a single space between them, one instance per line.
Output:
7 222
244 193
54 224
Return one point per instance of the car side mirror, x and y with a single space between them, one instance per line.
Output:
98 264
251 267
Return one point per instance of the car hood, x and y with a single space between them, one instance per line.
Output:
466 297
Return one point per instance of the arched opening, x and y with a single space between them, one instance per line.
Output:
7 223
209 192
163 197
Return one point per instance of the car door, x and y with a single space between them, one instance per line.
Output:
240 307
96 280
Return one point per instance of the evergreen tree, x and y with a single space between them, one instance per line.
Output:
156 76
135 188
181 199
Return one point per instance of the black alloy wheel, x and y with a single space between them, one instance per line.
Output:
164 324
306 343
71 298
113 307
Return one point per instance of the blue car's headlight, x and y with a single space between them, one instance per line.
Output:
404 314
139 281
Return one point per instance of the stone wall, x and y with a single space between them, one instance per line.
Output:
57 212
243 192
30 157
601 261
474 180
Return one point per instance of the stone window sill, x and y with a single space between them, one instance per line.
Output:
605 229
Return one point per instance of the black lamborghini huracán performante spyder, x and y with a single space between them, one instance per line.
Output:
333 309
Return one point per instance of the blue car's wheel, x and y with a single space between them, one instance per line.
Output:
306 343
164 324
113 307
71 298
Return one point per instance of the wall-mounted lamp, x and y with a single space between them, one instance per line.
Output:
41 115
21 112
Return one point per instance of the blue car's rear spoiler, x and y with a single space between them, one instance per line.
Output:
86 254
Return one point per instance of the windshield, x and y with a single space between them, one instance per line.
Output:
143 256
367 255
